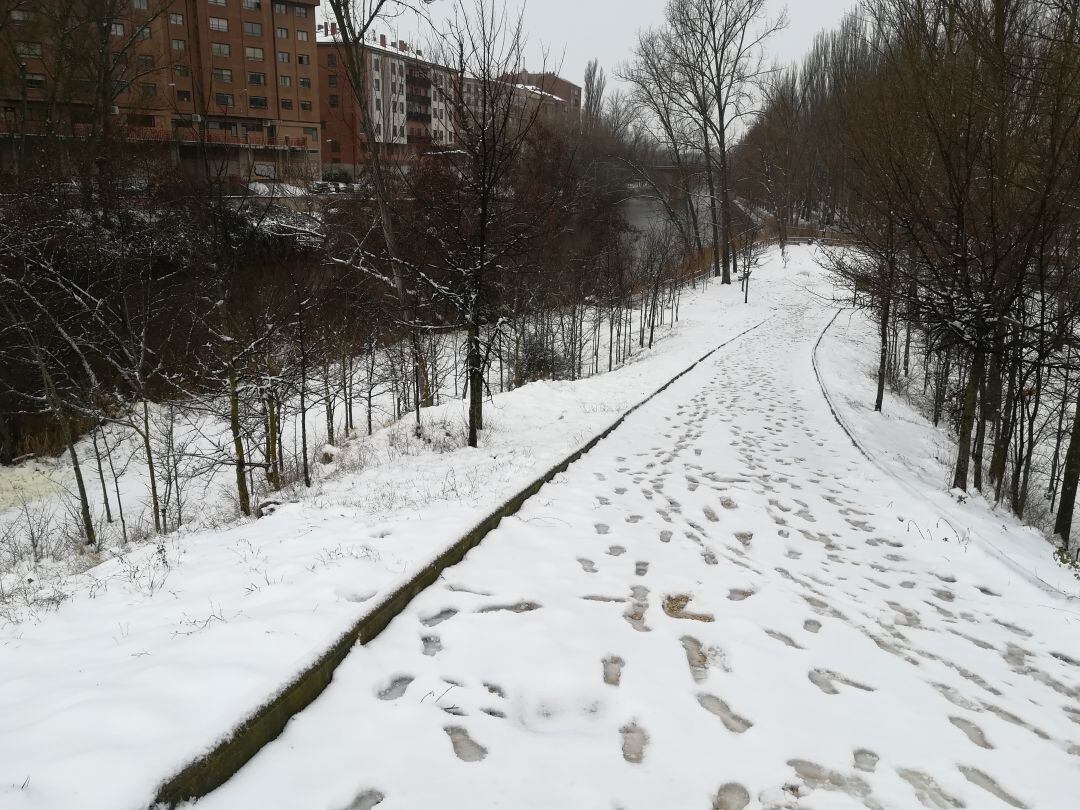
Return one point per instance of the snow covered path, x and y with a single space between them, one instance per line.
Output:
723 605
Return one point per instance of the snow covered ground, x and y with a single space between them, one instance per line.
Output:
725 604
155 655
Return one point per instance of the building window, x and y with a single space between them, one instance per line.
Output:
301 11
378 104
303 59
257 102
182 71
224 99
176 19
143 33
253 5
216 2
183 95
223 75
335 101
305 82
286 104
253 29
332 79
253 54
179 45
302 36
34 80
282 33
285 81
117 29
148 89
21 16
305 106
257 78
378 85
146 62
312 133
219 24
221 49
28 50
283 56
331 60
140 5
280 8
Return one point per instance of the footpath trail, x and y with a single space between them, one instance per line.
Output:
724 605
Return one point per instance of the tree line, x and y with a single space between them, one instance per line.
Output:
943 137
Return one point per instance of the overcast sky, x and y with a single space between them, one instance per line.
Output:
575 31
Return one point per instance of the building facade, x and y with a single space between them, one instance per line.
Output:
409 97
229 82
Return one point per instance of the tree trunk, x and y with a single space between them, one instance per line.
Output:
475 382
155 504
967 421
725 201
883 353
1069 479
243 496
713 222
101 471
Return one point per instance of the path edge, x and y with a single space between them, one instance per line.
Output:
215 767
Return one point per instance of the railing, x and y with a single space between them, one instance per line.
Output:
161 135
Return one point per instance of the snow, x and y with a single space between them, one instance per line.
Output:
724 602
158 653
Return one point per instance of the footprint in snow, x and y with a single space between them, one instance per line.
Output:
635 612
826 680
441 616
396 688
465 747
613 667
675 607
983 780
973 732
865 760
634 741
732 721
601 528
517 607
731 796
366 800
928 791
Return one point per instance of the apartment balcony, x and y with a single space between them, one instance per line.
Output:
418 116
185 135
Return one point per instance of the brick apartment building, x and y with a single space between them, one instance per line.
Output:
232 82
410 98
551 84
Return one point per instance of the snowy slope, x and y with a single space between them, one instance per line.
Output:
161 652
725 604
904 444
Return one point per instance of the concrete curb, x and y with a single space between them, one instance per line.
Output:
228 756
